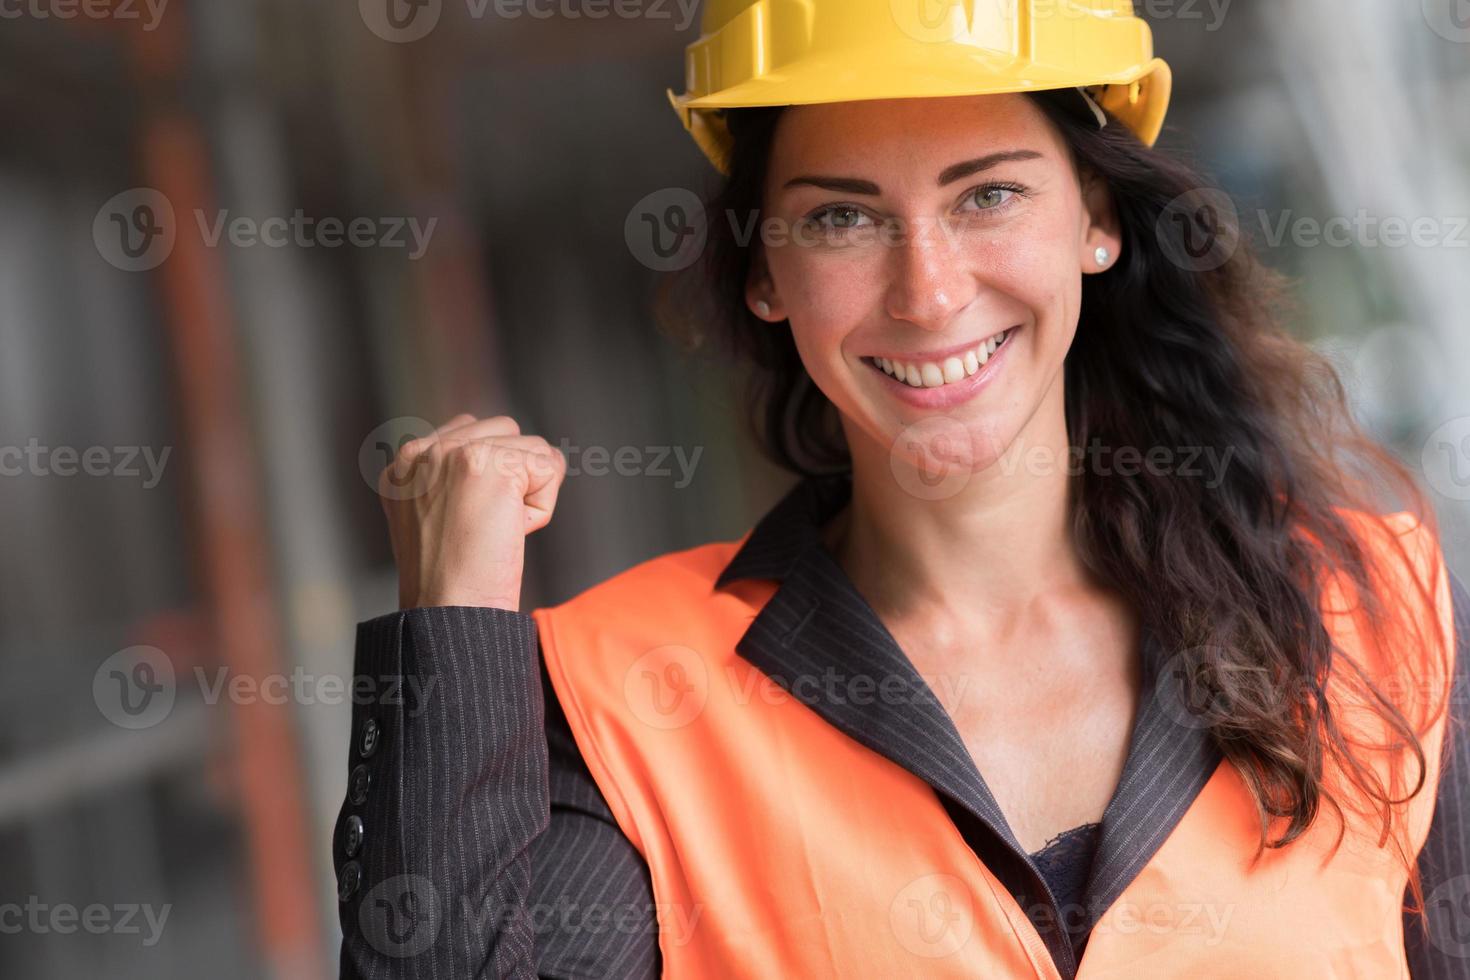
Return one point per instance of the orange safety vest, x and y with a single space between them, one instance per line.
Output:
830 860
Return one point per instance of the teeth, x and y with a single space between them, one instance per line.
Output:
928 374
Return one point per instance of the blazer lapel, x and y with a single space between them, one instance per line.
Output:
1170 759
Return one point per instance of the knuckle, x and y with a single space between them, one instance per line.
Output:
518 470
549 456
475 457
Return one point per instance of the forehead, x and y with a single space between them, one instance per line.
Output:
911 136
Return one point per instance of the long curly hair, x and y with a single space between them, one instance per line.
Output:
1179 345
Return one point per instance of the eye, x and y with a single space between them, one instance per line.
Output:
836 219
992 197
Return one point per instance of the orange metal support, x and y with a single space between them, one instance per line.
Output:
233 561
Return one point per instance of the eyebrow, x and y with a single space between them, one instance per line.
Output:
950 174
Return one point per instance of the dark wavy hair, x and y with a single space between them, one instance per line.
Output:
1178 345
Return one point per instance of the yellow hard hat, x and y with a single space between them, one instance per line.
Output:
799 52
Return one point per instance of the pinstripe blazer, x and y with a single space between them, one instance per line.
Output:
475 843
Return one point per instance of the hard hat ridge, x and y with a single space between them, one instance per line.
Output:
800 52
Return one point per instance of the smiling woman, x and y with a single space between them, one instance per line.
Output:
967 702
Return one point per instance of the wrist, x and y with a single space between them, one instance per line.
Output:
471 598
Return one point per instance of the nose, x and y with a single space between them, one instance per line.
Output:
929 281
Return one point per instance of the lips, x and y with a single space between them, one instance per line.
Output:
937 373
935 390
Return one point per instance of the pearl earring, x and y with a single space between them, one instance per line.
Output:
1102 255
763 308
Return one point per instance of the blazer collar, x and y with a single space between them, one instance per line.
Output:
788 530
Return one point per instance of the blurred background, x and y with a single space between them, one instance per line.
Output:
246 246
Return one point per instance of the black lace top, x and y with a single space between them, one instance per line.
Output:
1065 862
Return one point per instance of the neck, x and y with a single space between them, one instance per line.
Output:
1002 540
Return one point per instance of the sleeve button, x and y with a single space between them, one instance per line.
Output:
358 784
354 837
349 880
371 733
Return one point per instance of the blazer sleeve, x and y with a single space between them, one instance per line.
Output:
472 842
1442 950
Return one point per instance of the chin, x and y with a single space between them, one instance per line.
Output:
946 442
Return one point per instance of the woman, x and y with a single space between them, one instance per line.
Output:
1095 640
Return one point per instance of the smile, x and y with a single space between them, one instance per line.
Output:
951 370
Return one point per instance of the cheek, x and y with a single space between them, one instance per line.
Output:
827 287
827 296
1039 277
1034 261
